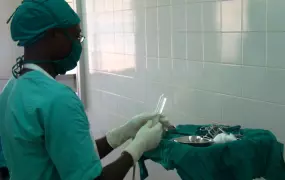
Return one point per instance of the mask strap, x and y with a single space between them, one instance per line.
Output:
11 17
17 68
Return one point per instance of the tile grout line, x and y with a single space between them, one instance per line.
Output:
221 26
157 38
146 51
242 33
145 36
114 33
220 93
216 63
186 22
225 32
221 18
203 36
171 32
187 43
220 32
266 35
242 42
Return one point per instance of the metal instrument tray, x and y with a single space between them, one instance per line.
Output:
196 141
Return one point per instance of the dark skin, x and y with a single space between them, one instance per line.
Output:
4 173
54 46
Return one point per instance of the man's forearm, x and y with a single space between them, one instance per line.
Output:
103 147
118 169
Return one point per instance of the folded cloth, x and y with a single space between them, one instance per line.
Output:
257 155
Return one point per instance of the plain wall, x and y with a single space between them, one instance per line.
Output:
2 83
8 50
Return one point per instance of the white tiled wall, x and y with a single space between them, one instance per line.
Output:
216 61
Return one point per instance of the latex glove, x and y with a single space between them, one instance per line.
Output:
166 123
120 135
147 138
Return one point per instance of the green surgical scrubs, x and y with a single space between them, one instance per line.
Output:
45 132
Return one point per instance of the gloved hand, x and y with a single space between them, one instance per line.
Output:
120 135
147 138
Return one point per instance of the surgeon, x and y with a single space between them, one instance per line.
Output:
45 131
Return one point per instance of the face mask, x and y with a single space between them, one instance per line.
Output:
70 62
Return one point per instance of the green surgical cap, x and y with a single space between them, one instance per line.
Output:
34 17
